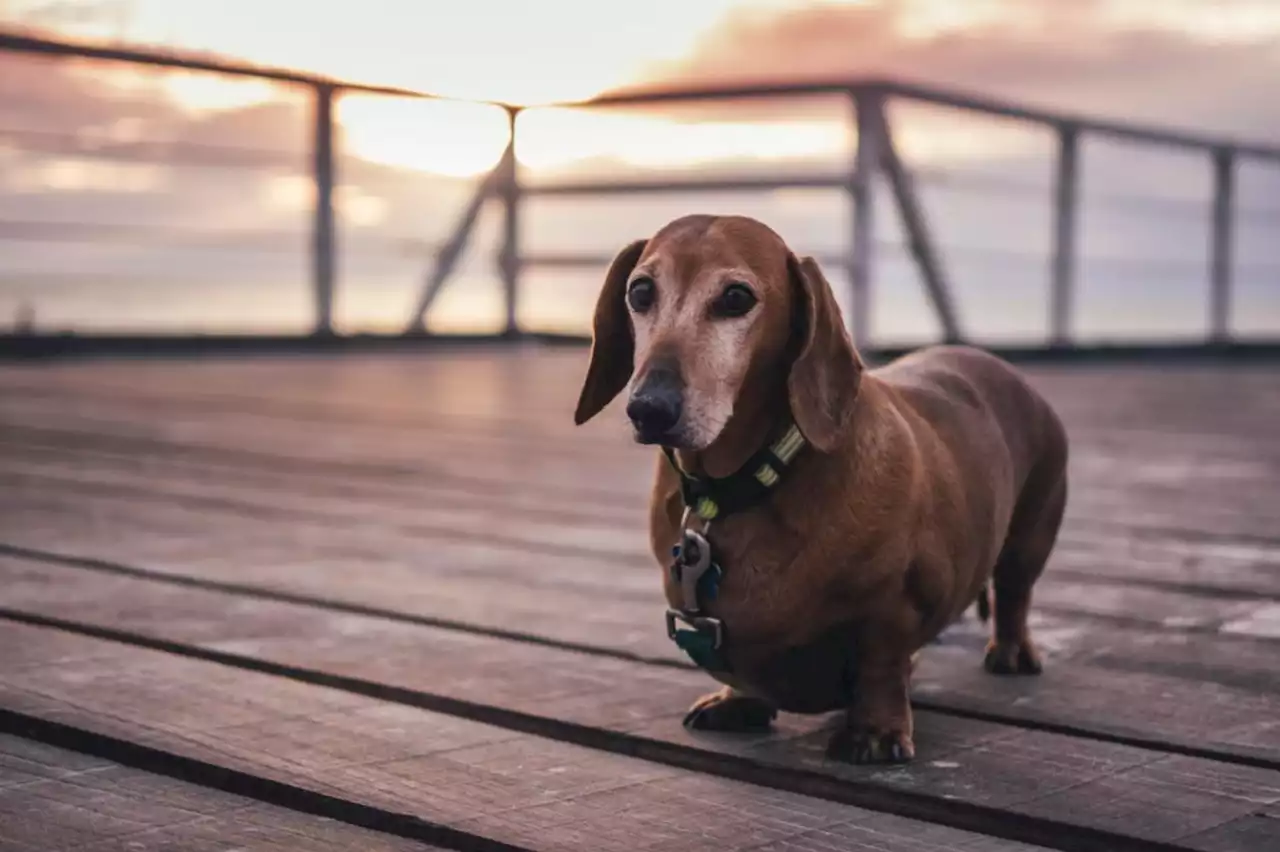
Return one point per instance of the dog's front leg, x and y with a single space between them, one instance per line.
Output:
877 728
730 710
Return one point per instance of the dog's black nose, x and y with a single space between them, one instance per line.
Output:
656 404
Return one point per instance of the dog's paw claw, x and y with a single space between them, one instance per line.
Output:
1012 658
851 745
728 711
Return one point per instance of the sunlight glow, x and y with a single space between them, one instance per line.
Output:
1241 21
454 138
522 52
933 18
199 92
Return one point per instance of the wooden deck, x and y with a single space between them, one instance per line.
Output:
400 602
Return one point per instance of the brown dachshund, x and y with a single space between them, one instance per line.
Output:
908 492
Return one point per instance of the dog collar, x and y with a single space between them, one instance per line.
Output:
693 566
715 497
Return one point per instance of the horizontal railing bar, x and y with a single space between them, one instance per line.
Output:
914 91
749 91
940 97
19 43
738 184
1120 130
153 151
551 260
555 260
189 237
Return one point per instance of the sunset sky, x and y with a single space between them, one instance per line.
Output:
1207 66
1177 62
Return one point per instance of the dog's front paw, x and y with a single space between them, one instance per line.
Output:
1012 658
864 745
726 710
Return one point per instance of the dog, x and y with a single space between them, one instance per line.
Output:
919 488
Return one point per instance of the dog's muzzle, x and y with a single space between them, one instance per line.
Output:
656 405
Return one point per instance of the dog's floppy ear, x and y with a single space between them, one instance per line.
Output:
824 378
612 345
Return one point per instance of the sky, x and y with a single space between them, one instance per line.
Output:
1203 65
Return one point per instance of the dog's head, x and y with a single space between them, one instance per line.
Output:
691 316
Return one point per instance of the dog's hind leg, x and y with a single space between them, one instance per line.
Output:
1032 534
729 710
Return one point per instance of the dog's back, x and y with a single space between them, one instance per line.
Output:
957 388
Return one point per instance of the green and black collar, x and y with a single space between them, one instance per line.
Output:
712 497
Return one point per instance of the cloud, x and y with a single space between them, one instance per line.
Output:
1089 56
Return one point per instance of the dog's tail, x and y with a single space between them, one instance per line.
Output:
984 603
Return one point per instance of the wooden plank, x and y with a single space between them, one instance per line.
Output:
567 557
533 791
1243 503
534 395
53 800
475 671
548 429
397 476
1238 570
630 467
536 392
617 611
1196 712
1249 833
1098 404
1196 558
624 539
1080 694
617 607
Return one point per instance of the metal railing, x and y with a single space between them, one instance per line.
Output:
877 153
876 156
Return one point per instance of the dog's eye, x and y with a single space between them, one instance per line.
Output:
736 300
640 295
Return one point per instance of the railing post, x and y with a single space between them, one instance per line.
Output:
323 248
866 165
919 240
1220 258
1065 212
509 192
450 252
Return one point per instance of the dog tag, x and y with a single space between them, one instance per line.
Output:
694 560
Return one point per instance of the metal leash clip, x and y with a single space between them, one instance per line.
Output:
701 625
694 560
